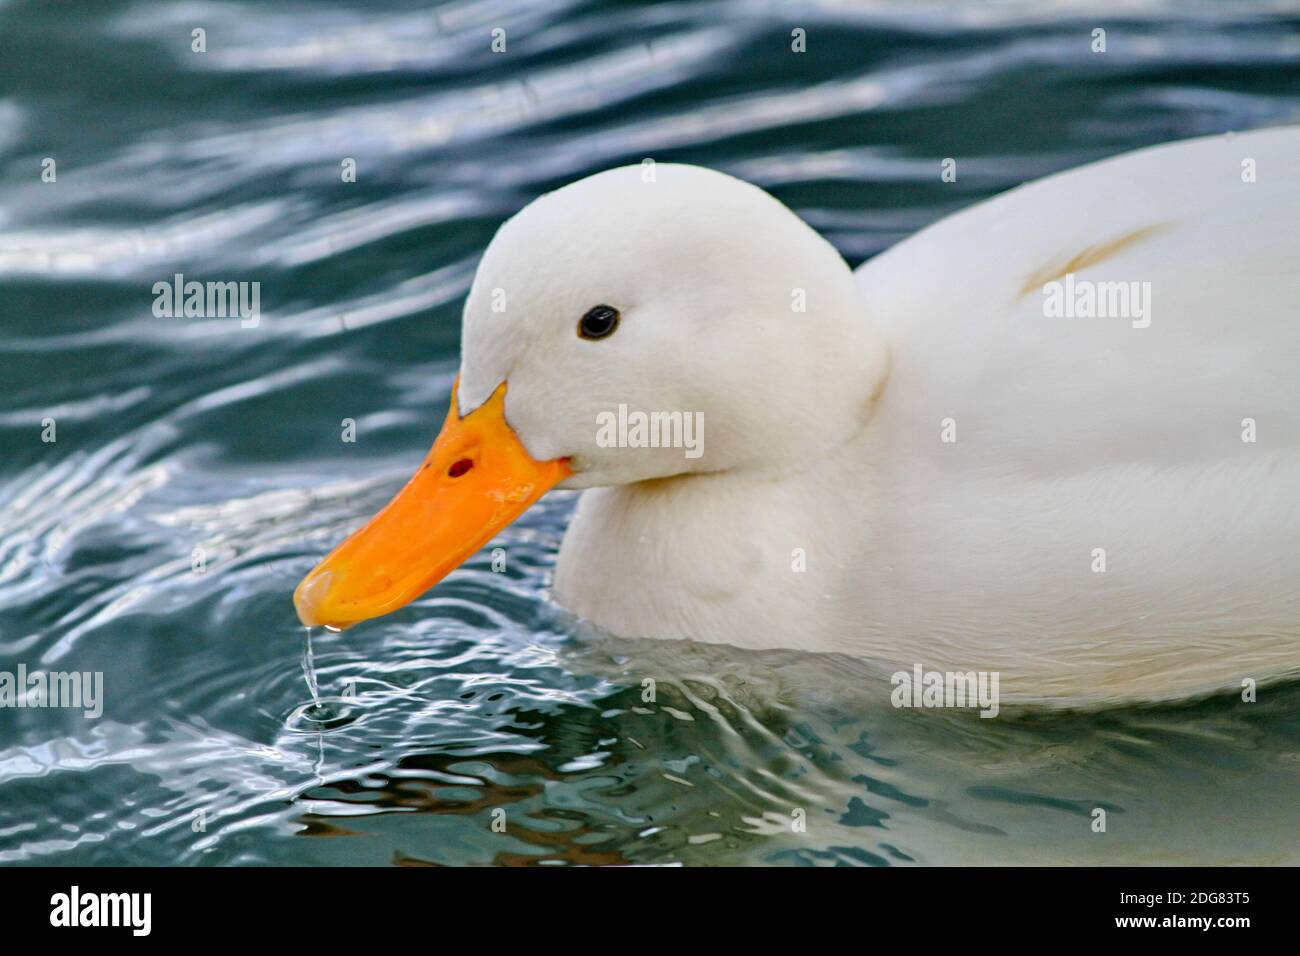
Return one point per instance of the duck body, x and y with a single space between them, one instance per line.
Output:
1053 436
1097 507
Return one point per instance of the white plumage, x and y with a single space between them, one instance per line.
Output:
824 429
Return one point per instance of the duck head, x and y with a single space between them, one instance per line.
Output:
664 289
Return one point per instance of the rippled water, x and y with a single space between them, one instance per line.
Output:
199 470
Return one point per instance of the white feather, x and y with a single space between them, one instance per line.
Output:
824 429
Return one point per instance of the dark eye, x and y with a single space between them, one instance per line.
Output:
598 322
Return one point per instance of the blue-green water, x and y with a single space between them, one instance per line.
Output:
198 468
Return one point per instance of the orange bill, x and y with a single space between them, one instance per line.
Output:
477 478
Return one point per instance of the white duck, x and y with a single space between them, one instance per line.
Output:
928 464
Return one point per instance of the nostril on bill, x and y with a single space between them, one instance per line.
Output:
459 467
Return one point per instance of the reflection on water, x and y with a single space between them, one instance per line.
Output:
198 470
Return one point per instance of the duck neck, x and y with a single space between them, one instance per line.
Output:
727 555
